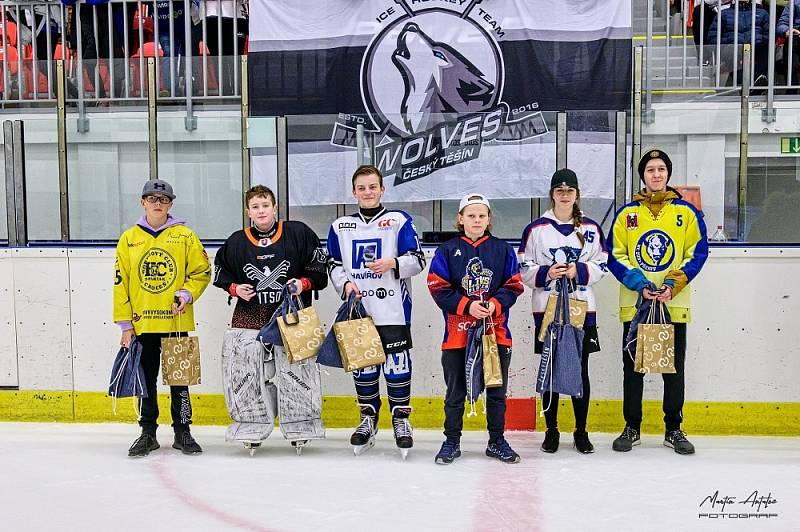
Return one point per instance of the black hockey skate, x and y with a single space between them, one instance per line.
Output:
363 439
403 433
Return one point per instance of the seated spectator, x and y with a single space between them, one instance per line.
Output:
175 48
782 29
701 24
732 34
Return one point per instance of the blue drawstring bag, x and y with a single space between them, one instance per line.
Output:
473 365
127 374
329 354
270 333
560 364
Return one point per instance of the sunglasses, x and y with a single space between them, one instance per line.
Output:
164 200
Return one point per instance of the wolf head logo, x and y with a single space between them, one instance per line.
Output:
437 79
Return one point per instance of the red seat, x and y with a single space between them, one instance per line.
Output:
13 65
211 73
149 49
13 59
11 34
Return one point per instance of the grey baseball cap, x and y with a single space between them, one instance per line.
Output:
158 186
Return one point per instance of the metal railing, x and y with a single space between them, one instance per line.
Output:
703 54
106 46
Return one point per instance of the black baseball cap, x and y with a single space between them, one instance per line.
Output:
564 178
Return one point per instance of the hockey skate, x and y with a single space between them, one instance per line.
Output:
252 446
298 446
403 432
363 439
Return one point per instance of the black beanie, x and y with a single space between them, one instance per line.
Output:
564 177
655 154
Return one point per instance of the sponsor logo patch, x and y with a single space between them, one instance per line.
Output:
157 270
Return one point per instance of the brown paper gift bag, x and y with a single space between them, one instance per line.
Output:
655 346
492 372
302 334
359 343
180 360
577 313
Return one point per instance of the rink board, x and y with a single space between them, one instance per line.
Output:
57 343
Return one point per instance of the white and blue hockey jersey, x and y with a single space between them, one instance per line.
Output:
547 237
352 242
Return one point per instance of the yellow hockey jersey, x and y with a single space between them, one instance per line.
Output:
657 238
151 267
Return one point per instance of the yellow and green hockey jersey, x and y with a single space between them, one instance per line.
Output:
151 267
661 239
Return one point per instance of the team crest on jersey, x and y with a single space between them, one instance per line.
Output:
267 278
565 254
157 270
478 279
631 221
365 251
655 251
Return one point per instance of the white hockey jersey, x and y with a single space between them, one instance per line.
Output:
352 242
547 237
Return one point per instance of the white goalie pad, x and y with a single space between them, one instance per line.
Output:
299 398
247 368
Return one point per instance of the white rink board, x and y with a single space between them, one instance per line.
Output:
740 347
8 330
42 316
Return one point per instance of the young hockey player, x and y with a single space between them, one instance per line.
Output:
561 243
254 265
658 246
159 261
474 277
373 253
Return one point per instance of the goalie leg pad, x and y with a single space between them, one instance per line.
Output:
251 400
299 398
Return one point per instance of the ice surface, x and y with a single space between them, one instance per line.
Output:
78 477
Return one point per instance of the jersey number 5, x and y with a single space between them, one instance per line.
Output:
679 221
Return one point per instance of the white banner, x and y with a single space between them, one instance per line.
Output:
448 93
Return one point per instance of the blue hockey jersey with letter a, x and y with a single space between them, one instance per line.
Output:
463 271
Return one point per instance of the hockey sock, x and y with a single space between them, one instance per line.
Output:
397 371
367 390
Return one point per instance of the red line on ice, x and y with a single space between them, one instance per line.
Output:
176 491
509 495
